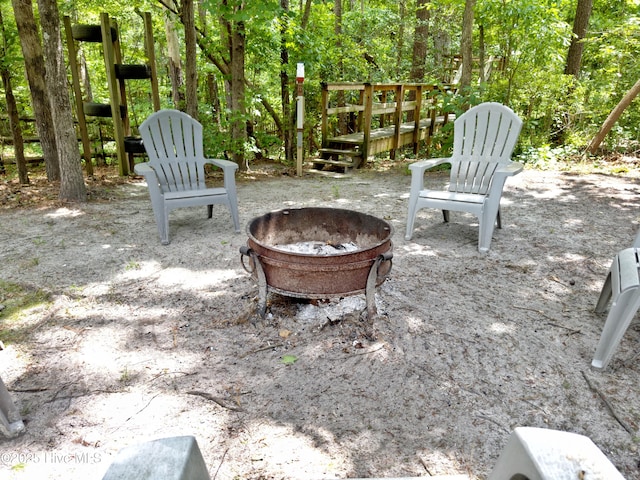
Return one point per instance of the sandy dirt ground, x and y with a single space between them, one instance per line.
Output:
140 341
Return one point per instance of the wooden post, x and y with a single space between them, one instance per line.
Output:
368 110
300 117
416 117
77 93
397 119
324 106
151 55
114 95
117 56
360 118
383 117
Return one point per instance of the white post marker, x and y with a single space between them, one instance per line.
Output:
300 117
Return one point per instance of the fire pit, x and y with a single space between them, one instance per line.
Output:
318 253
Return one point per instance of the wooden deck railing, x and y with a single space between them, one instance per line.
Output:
363 119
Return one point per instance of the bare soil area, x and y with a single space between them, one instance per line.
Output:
138 341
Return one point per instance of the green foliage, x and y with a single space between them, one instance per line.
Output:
16 300
526 43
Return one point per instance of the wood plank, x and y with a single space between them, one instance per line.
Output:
338 151
338 163
345 109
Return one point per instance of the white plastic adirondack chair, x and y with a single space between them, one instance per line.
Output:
622 289
483 140
175 170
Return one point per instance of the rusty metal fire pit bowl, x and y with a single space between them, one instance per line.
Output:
318 253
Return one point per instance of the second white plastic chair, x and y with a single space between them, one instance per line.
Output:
622 287
483 139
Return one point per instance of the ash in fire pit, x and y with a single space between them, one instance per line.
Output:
318 253
318 248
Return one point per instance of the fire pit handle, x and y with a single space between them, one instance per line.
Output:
257 272
384 257
245 252
372 280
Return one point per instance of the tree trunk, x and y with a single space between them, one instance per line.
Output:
175 68
188 20
285 93
12 111
580 25
466 44
237 91
420 37
214 98
222 64
35 69
481 49
613 117
343 125
16 131
402 13
84 77
441 52
305 14
72 186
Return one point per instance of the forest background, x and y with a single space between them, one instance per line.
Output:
563 66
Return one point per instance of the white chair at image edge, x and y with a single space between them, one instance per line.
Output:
175 171
171 458
543 454
11 424
483 140
622 287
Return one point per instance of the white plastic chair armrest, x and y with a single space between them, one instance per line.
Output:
500 177
223 164
143 169
228 170
151 178
511 168
417 172
422 165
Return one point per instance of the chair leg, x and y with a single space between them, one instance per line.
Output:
163 228
162 219
487 221
445 215
209 211
485 233
411 217
233 208
622 312
605 294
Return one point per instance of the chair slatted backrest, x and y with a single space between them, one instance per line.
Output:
483 138
173 141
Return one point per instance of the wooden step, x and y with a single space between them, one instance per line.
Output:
337 163
320 163
338 151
